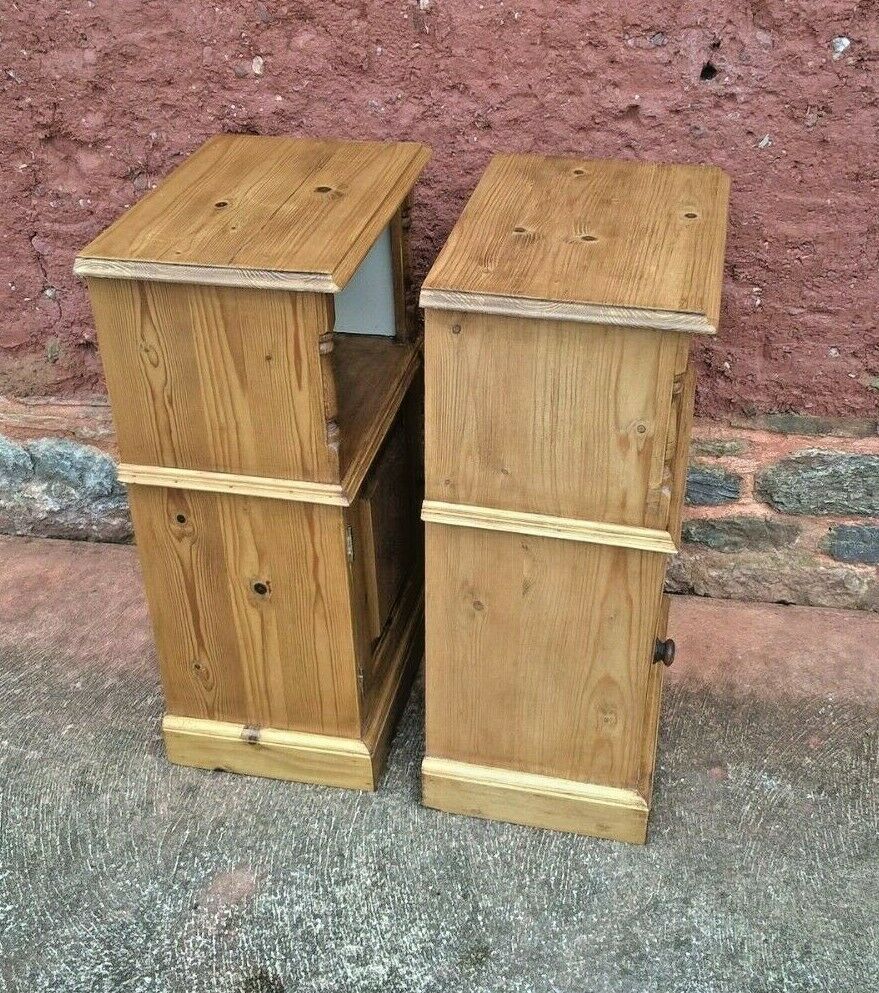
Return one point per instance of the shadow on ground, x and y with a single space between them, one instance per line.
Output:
120 872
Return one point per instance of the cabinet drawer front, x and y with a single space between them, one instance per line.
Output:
539 653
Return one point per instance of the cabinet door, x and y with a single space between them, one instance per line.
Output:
387 514
538 653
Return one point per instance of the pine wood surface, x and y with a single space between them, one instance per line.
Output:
388 512
330 494
537 801
355 763
539 653
242 383
546 417
372 374
266 206
393 668
652 705
284 659
290 755
541 525
216 378
638 236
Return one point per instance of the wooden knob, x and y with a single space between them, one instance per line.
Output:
664 651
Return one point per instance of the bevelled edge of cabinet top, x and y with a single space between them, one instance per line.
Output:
601 241
249 210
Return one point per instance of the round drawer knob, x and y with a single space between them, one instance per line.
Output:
664 651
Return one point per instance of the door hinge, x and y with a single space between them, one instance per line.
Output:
360 679
349 542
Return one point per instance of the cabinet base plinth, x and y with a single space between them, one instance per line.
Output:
271 752
536 801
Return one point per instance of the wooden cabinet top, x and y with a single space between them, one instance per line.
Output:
602 241
246 210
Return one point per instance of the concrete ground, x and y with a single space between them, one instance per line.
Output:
120 872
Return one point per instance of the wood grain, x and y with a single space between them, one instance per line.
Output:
399 228
652 705
372 374
538 653
283 659
545 417
203 275
216 379
540 525
269 205
587 313
388 510
678 448
290 755
224 482
394 666
603 233
538 801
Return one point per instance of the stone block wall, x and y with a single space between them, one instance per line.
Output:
781 508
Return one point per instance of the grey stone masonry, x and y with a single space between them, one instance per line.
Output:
822 482
718 447
708 486
740 533
775 576
809 424
55 488
854 543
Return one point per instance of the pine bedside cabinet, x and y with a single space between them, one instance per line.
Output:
263 377
558 403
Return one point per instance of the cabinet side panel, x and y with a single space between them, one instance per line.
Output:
251 608
538 653
547 417
216 378
679 457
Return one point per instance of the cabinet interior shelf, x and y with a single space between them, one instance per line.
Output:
372 374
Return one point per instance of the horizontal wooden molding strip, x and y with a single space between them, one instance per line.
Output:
272 752
570 529
561 310
531 782
169 272
221 482
539 801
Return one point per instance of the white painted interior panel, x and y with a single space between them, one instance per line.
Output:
366 305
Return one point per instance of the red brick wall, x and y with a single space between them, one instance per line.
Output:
102 99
